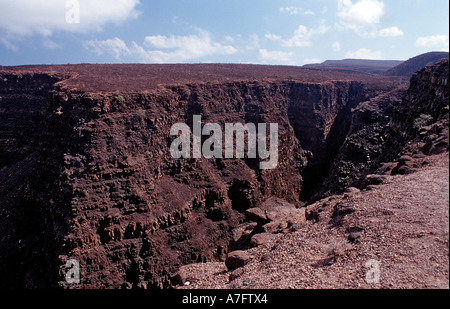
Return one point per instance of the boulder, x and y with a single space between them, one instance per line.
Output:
404 159
339 212
276 215
257 215
402 170
374 180
261 239
237 259
276 227
282 215
242 235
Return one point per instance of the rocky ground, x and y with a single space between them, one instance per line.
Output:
86 174
399 226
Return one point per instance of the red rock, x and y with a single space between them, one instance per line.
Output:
237 259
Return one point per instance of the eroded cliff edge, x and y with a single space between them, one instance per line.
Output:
88 175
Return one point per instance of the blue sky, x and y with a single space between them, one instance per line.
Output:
291 32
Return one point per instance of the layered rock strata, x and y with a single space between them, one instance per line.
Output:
88 175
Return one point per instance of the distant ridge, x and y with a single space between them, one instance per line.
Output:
362 65
409 67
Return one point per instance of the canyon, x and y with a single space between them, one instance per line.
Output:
86 171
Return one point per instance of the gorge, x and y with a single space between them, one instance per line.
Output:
86 171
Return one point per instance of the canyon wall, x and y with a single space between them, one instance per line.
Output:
34 198
411 121
88 175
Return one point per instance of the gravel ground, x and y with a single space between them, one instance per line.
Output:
394 236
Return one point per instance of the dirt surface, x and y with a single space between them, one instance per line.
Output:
129 212
400 226
145 77
86 174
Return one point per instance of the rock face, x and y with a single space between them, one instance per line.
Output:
413 120
88 175
34 198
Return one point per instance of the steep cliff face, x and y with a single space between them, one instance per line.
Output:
411 121
321 119
89 176
144 213
34 198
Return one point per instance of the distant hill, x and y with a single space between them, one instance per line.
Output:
409 67
366 66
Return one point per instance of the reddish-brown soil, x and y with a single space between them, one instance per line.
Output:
402 224
141 77
86 173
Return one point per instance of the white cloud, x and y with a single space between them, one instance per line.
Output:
301 37
440 42
336 46
389 32
44 17
273 37
245 43
186 47
364 53
253 41
49 44
292 10
275 56
8 44
113 47
362 12
229 38
364 17
163 49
